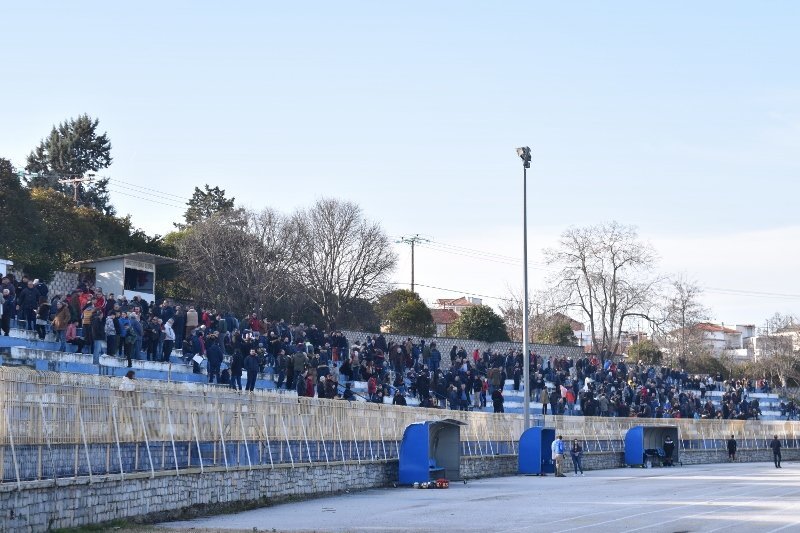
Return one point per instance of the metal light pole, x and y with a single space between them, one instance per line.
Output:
525 154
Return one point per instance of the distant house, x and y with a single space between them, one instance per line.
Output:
447 311
443 320
457 304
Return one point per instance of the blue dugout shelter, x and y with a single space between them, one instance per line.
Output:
431 450
645 443
534 451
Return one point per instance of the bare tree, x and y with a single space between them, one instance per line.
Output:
238 260
608 273
675 327
542 309
343 257
776 356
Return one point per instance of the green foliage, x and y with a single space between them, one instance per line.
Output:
389 300
411 317
42 231
358 314
480 323
559 333
646 351
205 203
72 150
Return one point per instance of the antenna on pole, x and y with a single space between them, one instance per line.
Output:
412 240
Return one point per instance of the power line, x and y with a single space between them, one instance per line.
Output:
145 199
134 186
457 291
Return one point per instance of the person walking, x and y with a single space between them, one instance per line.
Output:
576 452
557 450
731 449
776 451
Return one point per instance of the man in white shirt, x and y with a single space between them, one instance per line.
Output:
169 340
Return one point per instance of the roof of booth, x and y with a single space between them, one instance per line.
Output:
158 260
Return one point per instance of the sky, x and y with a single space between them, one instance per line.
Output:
680 118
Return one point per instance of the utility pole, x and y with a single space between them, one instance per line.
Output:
75 182
412 240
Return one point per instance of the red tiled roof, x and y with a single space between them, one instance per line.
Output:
456 302
444 316
715 328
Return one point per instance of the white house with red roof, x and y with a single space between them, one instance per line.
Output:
447 311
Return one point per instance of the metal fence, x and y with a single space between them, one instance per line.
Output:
55 425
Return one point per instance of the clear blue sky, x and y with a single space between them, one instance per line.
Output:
682 118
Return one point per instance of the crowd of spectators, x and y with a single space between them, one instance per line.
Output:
324 364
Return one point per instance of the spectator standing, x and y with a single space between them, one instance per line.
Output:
214 354
557 451
112 332
237 364
731 449
776 451
251 367
497 401
545 399
169 341
42 318
191 321
60 323
27 301
7 311
576 452
98 327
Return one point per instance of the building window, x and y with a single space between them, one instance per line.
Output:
139 280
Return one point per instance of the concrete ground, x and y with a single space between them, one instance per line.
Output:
724 497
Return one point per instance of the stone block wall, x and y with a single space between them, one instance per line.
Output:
42 506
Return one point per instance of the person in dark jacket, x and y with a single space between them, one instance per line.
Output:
98 325
731 449
237 364
27 300
576 452
399 399
775 444
497 401
251 367
42 318
214 354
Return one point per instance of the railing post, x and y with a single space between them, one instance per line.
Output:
47 438
172 438
244 436
222 438
147 442
116 437
305 437
288 444
339 431
358 453
85 444
324 445
269 446
13 450
197 441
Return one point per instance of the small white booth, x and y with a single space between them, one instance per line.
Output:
5 266
130 275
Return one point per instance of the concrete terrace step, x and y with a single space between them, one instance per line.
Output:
110 366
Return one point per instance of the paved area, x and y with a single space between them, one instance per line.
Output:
725 497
